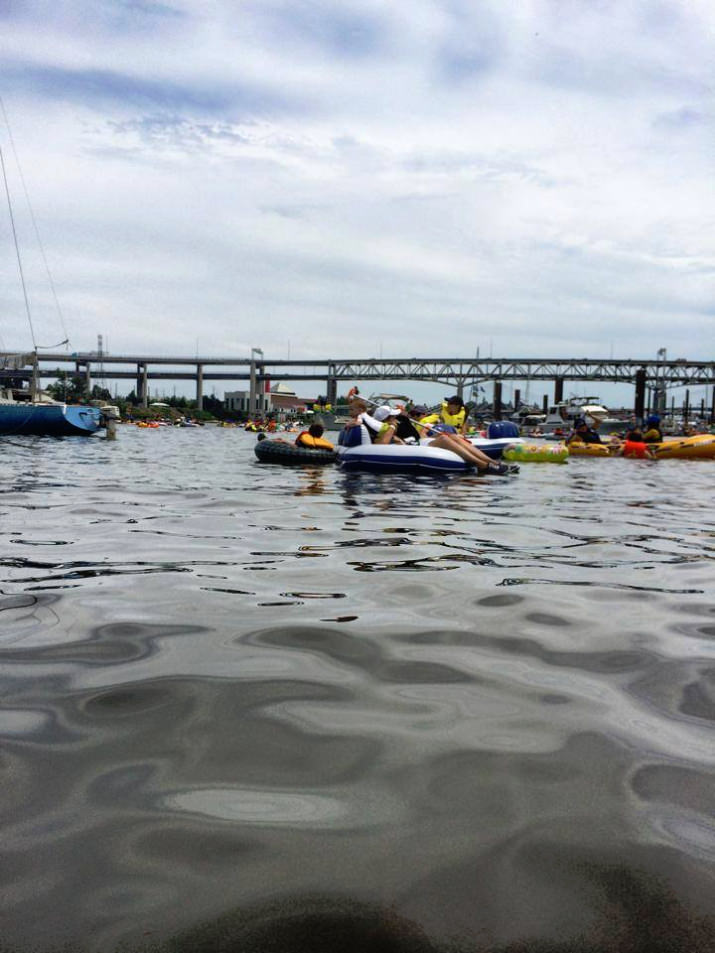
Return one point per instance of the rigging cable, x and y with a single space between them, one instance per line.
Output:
17 252
34 223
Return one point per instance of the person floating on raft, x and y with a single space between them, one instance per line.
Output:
452 416
386 424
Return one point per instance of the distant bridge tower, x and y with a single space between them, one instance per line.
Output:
100 356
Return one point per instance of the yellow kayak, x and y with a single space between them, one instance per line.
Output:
579 449
699 447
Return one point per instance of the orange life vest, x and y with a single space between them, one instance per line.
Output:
305 439
634 448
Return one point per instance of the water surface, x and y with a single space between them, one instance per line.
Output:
246 707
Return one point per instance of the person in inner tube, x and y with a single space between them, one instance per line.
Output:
313 438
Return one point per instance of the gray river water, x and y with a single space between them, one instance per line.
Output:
253 708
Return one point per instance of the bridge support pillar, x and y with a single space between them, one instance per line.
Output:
497 400
639 406
199 386
252 400
142 385
558 390
332 391
517 398
88 377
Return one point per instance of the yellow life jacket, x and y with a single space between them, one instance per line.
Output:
454 420
305 439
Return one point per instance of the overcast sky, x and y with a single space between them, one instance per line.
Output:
339 179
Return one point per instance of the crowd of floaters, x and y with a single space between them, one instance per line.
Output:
448 427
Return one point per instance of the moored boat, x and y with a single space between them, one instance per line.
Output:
560 418
28 411
48 418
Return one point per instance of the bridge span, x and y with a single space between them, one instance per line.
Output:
458 374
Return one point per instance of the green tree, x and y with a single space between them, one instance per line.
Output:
71 388
100 393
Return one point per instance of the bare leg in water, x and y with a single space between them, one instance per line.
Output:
467 451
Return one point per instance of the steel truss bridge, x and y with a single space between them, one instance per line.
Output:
456 373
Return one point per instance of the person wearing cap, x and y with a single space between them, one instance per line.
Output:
389 419
653 432
582 433
457 444
453 413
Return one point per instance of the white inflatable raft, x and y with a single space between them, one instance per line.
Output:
401 458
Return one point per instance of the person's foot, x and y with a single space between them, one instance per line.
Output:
502 469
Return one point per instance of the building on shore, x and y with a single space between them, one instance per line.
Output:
279 400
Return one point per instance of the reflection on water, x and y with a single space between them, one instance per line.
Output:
248 708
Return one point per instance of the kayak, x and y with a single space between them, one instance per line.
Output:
699 447
279 451
590 450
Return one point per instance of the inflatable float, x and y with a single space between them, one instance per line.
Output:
280 451
537 453
357 452
579 449
699 447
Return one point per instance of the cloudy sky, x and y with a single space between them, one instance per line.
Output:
329 178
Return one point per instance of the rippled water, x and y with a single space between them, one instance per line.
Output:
253 708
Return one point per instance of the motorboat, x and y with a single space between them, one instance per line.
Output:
561 417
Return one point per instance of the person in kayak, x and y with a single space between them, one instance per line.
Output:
653 433
582 433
